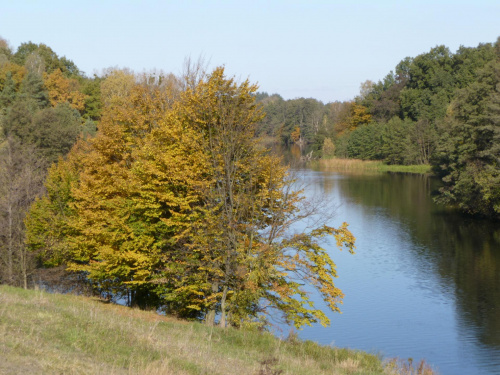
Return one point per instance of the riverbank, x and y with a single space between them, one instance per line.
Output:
356 165
42 333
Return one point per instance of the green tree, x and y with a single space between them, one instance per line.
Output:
469 151
50 59
91 88
8 94
34 89
53 131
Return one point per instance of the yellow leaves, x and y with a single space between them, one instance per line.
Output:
344 237
352 115
62 90
179 200
295 135
116 87
18 72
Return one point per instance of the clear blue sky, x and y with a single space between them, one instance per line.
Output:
320 49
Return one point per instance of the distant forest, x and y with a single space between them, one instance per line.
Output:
438 108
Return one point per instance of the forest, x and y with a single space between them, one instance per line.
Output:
158 189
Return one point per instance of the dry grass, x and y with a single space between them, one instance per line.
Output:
369 166
408 367
43 333
350 164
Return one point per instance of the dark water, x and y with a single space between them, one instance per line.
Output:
424 282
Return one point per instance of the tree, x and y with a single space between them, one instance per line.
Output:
250 260
468 155
91 88
34 89
328 149
64 90
8 94
116 86
16 72
45 57
176 206
21 178
122 223
55 131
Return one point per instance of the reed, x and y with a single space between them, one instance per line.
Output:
370 166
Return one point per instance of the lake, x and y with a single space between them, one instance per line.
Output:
424 282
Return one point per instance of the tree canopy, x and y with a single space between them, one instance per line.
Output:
175 205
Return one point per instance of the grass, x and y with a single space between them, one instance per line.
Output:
42 333
356 165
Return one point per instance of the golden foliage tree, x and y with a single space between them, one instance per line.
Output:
64 90
177 206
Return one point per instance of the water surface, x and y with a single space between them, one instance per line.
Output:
424 282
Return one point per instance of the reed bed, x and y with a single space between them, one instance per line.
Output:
370 166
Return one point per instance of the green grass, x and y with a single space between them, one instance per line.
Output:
356 165
42 333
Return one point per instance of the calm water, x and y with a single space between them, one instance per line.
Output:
424 283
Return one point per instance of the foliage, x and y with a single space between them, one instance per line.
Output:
283 117
37 126
47 219
33 89
328 149
415 111
64 90
50 59
21 174
469 152
177 206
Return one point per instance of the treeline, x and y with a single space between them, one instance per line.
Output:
307 122
439 108
153 189
45 104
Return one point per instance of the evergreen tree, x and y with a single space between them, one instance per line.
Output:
34 89
8 94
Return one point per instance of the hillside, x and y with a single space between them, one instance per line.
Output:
42 333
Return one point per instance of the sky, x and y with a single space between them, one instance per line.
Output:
312 49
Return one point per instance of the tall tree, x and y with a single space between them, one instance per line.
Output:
33 89
250 207
176 206
468 157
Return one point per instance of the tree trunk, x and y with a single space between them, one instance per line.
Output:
210 317
222 322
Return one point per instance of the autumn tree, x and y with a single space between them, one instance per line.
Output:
64 90
250 207
16 72
116 85
177 207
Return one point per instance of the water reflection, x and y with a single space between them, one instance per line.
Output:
443 259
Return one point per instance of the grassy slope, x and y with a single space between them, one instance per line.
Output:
42 333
